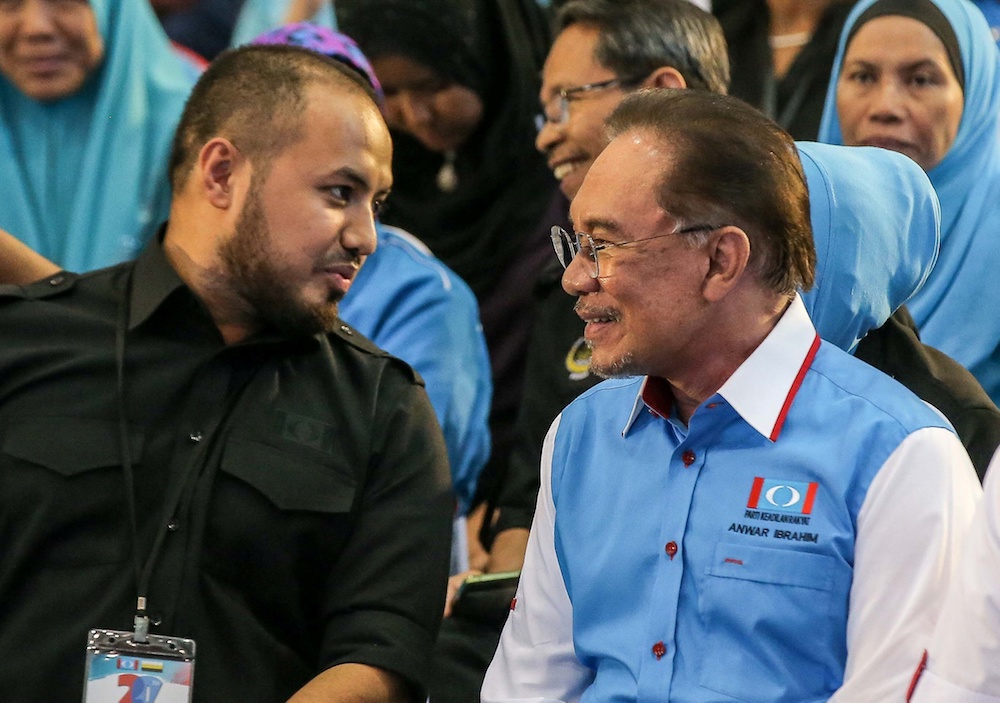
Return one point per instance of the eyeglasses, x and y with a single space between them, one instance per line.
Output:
564 97
569 245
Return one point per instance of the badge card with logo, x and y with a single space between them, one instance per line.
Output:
121 670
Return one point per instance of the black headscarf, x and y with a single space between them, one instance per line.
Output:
923 11
496 49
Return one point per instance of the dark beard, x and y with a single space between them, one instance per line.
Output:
256 277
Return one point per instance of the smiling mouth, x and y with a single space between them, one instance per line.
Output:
560 171
44 64
597 316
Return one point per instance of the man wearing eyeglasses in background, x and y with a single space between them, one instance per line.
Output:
734 516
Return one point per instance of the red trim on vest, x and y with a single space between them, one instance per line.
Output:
807 505
916 677
806 363
758 486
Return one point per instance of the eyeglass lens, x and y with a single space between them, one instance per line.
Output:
568 245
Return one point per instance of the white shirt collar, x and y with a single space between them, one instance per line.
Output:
763 387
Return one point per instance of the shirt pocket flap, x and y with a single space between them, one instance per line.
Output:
288 481
69 446
768 565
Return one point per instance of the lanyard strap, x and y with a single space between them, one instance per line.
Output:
144 570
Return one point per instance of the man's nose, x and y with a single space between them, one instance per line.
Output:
360 236
549 134
576 279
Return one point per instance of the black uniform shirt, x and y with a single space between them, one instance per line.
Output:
313 524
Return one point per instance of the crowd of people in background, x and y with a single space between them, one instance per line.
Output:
679 317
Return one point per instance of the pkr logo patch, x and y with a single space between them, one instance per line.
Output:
782 496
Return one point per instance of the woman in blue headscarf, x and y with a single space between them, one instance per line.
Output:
921 77
90 94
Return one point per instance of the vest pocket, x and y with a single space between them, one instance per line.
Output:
61 490
289 482
775 627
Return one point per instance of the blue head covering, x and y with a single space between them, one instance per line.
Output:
259 16
84 177
875 221
956 309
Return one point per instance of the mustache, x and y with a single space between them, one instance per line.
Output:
595 311
341 258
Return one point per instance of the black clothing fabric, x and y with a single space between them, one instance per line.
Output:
796 100
495 48
558 370
206 28
896 349
462 653
507 316
314 519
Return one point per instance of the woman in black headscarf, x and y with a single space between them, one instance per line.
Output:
461 80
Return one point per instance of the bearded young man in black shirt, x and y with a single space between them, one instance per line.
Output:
198 428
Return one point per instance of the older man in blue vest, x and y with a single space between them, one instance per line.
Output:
745 512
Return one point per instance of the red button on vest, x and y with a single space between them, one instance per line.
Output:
688 457
659 649
671 549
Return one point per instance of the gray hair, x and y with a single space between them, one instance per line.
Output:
639 36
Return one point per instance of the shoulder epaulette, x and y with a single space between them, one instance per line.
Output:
47 287
357 340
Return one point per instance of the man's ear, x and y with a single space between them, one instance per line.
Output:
728 257
665 77
218 163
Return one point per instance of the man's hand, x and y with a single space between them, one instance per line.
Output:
454 583
354 683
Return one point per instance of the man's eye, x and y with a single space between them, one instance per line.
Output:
377 206
340 193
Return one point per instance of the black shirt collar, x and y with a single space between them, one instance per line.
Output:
153 280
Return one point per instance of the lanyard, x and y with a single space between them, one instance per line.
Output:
144 569
143 572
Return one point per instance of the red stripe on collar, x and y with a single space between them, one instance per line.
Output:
793 391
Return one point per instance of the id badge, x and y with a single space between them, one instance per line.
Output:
121 670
